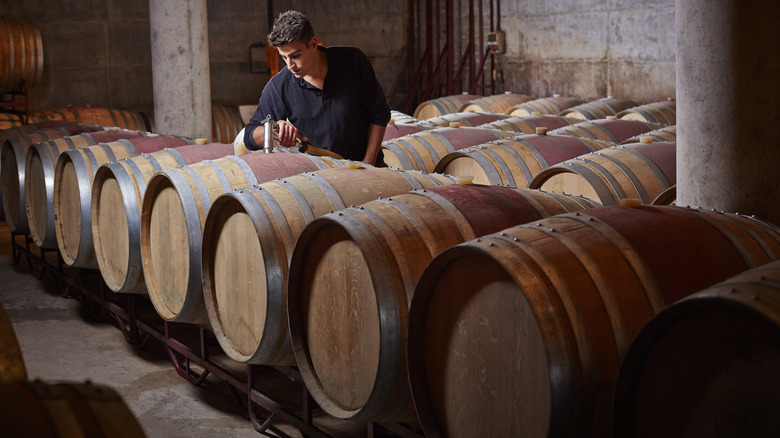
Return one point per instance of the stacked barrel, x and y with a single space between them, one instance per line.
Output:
489 282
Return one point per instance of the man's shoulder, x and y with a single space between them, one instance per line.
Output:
345 52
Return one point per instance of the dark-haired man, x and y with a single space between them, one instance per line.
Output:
327 96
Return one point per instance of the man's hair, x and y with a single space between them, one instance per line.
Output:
290 27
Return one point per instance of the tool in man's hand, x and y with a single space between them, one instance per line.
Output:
271 127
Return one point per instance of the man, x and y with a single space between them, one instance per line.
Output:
328 97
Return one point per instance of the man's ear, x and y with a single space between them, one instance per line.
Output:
313 42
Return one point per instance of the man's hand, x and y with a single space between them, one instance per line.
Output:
287 134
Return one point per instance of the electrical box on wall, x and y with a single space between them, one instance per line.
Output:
496 41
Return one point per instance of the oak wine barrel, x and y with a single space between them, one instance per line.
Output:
462 119
442 105
12 169
497 103
225 123
42 409
521 333
21 53
598 109
40 170
72 194
109 117
639 171
10 120
173 213
353 273
707 364
528 124
612 130
553 106
668 134
422 151
249 238
117 192
515 161
664 113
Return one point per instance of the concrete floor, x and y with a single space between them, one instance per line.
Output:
59 342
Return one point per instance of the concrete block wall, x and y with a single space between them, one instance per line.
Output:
97 52
590 48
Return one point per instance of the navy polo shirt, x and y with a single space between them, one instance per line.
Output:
335 118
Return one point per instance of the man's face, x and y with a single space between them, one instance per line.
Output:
299 57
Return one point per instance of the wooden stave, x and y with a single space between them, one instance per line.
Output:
500 249
277 238
393 277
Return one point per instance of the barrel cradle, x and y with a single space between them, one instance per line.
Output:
354 272
249 239
521 333
173 213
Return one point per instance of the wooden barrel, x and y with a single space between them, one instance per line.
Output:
422 151
398 130
462 119
40 409
12 176
667 197
515 161
640 171
225 123
521 333
400 118
707 364
664 113
668 134
72 193
12 367
498 103
21 52
249 238
63 126
10 120
546 105
528 124
117 192
40 170
612 130
100 116
598 109
442 105
173 213
349 329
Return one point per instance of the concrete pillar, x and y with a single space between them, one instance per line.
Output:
728 90
180 67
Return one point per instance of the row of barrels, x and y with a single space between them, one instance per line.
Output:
513 104
226 120
605 160
62 409
283 280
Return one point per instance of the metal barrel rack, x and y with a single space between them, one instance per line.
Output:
189 347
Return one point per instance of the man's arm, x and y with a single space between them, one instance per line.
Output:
376 134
